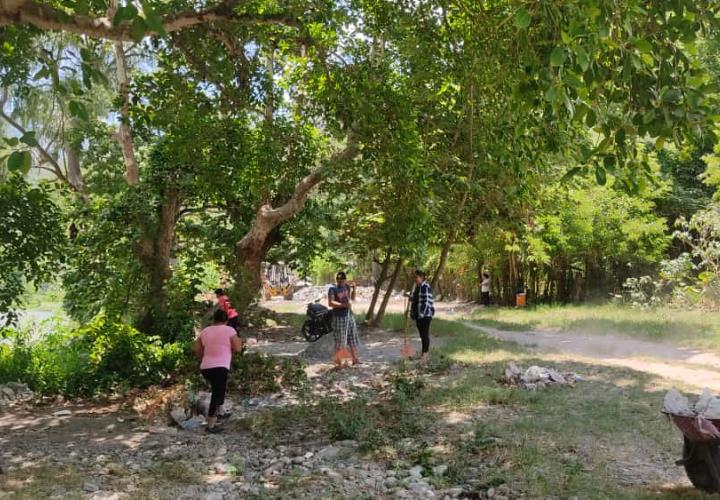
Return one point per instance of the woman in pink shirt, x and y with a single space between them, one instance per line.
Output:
215 346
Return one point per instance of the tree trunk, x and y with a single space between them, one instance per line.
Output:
74 174
154 253
378 285
124 136
443 260
388 293
251 249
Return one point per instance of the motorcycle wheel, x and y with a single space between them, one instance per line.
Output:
309 331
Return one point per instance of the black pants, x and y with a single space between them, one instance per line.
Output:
217 377
233 323
485 298
423 325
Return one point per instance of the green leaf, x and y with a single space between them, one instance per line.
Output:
570 174
19 161
152 20
590 119
82 7
557 56
600 175
138 29
43 72
78 110
124 13
12 141
643 46
29 139
522 18
567 39
582 58
659 143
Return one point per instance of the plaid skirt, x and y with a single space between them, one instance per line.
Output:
345 331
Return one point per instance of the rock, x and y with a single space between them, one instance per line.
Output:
273 470
90 487
271 323
348 443
440 470
62 413
326 471
178 415
490 492
162 429
193 423
455 492
390 482
416 471
422 489
328 453
297 460
222 468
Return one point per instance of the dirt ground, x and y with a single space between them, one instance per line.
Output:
683 365
105 451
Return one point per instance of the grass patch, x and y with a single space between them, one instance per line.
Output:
177 472
42 482
698 328
559 442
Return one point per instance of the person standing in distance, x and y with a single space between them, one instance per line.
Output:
340 298
422 311
223 303
485 289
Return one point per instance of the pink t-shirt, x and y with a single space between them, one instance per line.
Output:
217 349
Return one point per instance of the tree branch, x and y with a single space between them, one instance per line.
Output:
124 135
46 156
268 218
46 17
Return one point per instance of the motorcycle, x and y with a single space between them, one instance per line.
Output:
317 322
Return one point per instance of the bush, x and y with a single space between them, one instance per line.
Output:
351 420
100 357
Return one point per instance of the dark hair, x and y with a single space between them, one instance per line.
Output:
219 291
220 316
486 274
341 276
420 273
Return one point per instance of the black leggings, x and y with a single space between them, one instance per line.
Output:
234 323
485 298
217 377
423 325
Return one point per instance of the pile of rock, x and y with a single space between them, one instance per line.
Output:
538 377
14 391
193 414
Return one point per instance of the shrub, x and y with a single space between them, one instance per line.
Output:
349 421
99 357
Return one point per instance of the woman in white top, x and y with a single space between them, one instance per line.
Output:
485 289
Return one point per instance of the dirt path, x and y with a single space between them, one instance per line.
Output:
683 365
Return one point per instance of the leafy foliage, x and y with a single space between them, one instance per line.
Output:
99 357
32 244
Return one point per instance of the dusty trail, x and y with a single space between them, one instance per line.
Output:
688 366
